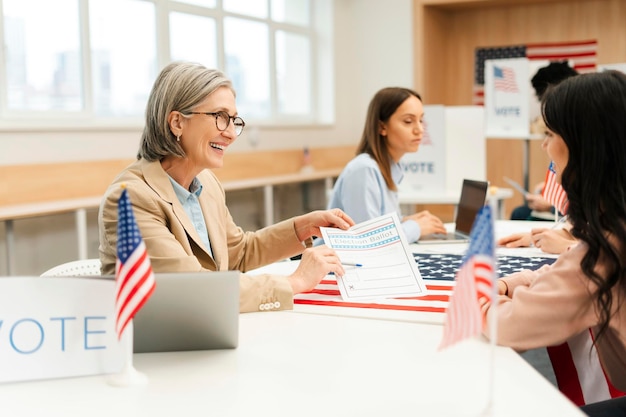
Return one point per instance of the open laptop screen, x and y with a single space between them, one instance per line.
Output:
189 311
473 195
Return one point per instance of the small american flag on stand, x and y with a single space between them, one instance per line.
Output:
134 278
553 192
474 280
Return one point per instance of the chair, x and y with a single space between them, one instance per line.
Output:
75 268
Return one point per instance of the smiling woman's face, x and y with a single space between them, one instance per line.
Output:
203 143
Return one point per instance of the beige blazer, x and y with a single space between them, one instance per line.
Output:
174 245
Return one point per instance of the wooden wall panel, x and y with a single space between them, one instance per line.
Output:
24 184
435 75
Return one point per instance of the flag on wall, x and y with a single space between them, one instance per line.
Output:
134 278
582 54
474 280
553 192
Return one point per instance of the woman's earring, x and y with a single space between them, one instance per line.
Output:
178 138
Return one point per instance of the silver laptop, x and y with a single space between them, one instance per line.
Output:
473 197
189 311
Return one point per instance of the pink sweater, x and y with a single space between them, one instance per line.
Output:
548 306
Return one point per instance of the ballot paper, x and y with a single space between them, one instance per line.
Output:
377 260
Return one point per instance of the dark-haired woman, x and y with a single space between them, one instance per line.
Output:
586 287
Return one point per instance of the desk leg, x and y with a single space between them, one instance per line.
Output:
268 203
10 242
500 212
328 186
81 233
496 208
526 163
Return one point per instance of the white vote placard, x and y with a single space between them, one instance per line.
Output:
425 170
55 327
507 98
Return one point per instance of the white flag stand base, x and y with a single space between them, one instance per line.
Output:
129 376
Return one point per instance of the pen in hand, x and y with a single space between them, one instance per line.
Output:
348 264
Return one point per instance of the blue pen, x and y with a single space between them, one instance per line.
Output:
348 264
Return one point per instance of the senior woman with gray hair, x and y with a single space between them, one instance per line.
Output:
179 204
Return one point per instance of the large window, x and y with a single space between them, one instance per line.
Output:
81 61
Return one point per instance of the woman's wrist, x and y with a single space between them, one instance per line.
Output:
299 227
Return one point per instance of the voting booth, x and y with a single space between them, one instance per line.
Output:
507 98
511 105
452 148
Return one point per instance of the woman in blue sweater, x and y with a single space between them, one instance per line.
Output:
368 185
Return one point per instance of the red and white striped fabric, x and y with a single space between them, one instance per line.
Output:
326 293
578 371
582 56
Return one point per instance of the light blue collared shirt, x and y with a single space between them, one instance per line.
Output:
190 203
362 193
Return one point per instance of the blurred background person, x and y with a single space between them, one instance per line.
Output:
534 204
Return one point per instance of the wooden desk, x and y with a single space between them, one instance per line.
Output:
268 184
23 211
79 206
294 364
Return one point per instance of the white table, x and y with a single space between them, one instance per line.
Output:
295 364
495 198
502 228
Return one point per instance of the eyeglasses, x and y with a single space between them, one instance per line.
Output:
222 120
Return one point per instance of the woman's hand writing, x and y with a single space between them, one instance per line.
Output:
315 264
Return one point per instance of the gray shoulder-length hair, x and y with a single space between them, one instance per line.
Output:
180 86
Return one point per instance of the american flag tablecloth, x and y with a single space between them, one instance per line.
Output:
437 270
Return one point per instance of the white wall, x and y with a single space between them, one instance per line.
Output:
373 49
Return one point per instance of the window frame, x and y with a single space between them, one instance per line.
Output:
321 114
